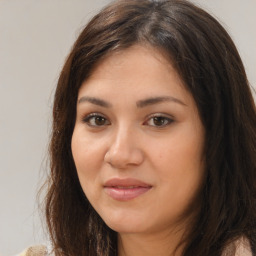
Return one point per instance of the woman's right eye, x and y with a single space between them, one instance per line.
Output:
96 120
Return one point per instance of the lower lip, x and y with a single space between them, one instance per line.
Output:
125 194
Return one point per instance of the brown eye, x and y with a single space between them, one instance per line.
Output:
96 120
99 120
159 121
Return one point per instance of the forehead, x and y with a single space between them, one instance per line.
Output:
137 54
136 68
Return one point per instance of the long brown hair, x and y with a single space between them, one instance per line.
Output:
208 62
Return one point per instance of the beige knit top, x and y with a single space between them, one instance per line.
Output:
241 247
38 250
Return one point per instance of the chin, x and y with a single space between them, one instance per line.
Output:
125 224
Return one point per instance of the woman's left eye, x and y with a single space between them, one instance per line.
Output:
159 121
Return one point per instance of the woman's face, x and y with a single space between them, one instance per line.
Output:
138 142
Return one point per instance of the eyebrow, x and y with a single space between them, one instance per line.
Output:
155 100
95 101
139 104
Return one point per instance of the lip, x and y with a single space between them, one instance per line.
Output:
125 189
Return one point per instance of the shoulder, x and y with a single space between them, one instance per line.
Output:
240 247
37 250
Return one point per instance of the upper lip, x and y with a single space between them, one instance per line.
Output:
127 182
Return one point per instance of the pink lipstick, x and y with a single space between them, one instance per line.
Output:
125 189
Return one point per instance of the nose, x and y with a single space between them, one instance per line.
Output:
124 150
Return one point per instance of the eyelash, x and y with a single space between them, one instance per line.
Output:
164 120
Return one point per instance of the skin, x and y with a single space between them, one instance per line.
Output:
125 141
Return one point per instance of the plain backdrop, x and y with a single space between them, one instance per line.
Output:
35 38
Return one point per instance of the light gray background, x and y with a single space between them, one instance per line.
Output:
35 38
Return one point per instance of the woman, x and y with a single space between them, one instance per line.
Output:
153 144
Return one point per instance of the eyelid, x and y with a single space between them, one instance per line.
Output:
91 114
168 116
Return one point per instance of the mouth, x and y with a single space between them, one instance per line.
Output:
125 189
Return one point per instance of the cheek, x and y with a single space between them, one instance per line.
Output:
84 158
180 164
85 150
179 154
87 159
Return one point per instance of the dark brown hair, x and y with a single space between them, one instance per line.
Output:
207 60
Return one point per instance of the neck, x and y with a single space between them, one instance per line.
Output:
164 244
